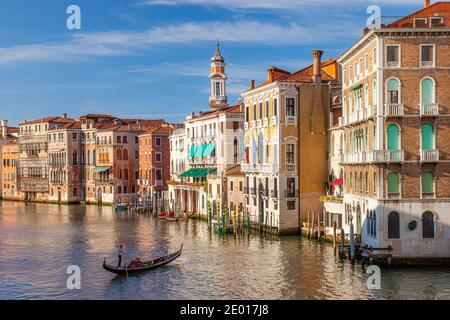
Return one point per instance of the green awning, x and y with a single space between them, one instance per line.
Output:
200 150
100 169
357 87
197 172
209 149
192 151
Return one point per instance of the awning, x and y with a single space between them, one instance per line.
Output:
357 87
100 169
209 149
199 151
197 172
192 151
337 182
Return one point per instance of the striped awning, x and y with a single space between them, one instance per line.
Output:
197 172
209 149
100 169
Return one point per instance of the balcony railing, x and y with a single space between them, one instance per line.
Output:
246 190
290 167
261 168
429 109
358 116
428 195
392 64
393 109
429 155
265 192
291 120
373 156
393 195
426 64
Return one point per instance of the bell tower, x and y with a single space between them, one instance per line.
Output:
218 77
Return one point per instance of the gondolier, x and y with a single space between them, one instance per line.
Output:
120 254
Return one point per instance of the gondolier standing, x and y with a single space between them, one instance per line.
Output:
120 254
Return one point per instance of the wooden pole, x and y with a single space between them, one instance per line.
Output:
334 234
309 225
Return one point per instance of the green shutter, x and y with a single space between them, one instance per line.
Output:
393 183
393 137
427 91
427 182
427 136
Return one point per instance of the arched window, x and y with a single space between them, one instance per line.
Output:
89 157
427 136
361 186
427 94
393 184
125 154
125 174
393 137
235 151
350 103
393 91
119 154
367 182
427 225
366 96
394 225
75 158
428 185
368 222
374 93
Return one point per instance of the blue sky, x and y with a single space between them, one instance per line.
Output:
150 58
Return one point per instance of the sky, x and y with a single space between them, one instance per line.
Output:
150 58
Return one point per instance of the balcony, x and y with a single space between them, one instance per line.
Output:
260 168
290 167
428 195
429 155
429 109
159 183
393 110
426 64
274 120
290 193
373 156
291 120
358 116
393 195
392 64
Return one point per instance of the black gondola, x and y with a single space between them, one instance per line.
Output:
147 265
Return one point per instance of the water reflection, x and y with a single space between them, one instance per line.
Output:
38 242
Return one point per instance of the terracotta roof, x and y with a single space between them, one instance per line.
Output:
235 171
13 130
438 9
230 109
48 119
97 115
75 124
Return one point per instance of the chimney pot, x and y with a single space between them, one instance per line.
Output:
252 84
426 3
270 75
317 66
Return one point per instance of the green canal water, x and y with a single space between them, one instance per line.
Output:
38 242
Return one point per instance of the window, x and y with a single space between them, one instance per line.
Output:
240 186
125 139
254 112
290 153
427 56
427 95
290 107
427 225
158 157
75 192
291 205
436 21
394 225
290 187
246 114
158 174
374 93
275 107
231 185
393 91
393 184
427 136
393 56
374 57
158 141
428 185
75 158
267 109
119 139
393 137
217 89
420 22
260 110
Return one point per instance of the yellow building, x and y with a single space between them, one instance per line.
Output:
286 122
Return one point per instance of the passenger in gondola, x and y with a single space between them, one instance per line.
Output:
120 254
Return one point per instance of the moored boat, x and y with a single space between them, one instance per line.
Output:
143 266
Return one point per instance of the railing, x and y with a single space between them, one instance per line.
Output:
290 167
392 64
373 156
393 195
393 109
428 195
159 182
429 109
358 116
426 64
291 120
290 193
274 120
263 168
429 155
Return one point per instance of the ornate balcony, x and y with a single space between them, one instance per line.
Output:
393 110
426 64
429 155
259 168
290 167
392 64
373 156
429 109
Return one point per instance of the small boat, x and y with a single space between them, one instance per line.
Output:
171 218
161 215
182 218
146 265
121 206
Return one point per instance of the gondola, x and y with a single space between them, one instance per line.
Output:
146 265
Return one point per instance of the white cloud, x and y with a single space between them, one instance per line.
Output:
120 42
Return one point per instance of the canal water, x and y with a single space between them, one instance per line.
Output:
38 242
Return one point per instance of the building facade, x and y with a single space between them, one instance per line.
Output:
396 125
286 123
9 162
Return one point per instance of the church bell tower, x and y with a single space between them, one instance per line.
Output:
218 77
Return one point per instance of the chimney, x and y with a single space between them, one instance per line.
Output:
270 75
65 115
252 84
426 3
4 128
317 69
